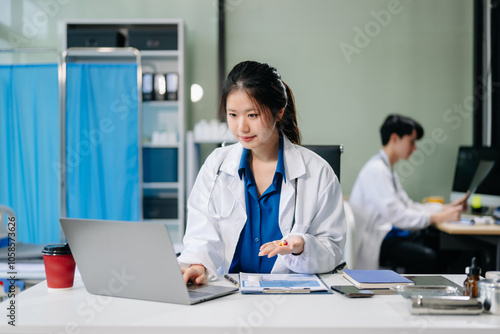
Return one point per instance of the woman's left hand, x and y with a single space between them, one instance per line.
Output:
292 245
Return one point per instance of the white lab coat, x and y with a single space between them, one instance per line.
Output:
319 212
379 202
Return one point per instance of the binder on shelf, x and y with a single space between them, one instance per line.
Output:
172 86
160 86
375 279
147 86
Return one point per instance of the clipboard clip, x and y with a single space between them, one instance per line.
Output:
286 290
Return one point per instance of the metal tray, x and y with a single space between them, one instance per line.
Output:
446 305
411 291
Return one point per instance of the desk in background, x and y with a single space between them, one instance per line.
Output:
76 311
470 237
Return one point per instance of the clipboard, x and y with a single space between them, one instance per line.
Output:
282 284
483 169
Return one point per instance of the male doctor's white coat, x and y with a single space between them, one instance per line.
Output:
317 209
379 202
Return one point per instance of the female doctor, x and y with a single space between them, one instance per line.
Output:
264 204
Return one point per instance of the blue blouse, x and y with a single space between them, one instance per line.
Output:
262 219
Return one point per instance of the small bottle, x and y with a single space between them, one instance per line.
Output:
470 284
465 292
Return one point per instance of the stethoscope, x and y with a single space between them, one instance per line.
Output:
388 164
215 215
221 216
393 177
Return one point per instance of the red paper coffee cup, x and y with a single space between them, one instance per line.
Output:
59 266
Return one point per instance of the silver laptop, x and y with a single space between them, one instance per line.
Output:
132 260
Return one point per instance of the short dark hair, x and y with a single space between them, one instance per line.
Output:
401 126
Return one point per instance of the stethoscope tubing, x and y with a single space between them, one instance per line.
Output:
215 215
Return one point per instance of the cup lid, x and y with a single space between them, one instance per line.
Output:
56 249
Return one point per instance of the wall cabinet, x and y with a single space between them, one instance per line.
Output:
162 128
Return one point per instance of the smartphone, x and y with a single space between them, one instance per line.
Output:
351 291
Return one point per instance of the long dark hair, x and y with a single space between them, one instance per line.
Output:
270 94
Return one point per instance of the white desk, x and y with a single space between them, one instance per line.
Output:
75 311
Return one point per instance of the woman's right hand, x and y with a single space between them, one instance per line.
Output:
196 274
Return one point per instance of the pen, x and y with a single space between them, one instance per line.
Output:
232 280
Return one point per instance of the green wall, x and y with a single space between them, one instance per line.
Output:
348 63
417 62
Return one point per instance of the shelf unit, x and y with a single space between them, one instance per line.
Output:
193 162
161 47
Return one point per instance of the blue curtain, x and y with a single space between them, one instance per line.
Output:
102 141
29 149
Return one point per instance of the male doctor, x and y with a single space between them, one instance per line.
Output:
389 225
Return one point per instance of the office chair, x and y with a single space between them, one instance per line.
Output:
415 254
349 248
331 153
